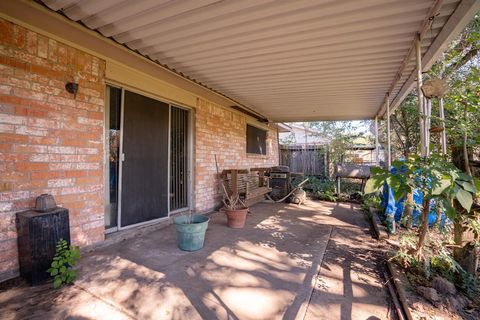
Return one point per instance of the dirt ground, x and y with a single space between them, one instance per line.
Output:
350 284
316 261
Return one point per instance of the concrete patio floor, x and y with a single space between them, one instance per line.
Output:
316 261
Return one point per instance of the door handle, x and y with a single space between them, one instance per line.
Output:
122 157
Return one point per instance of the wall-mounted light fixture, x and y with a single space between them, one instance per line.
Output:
72 87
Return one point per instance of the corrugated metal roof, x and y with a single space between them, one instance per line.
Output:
289 60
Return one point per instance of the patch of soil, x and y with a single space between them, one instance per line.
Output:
438 300
435 297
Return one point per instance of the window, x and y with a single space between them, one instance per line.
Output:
256 140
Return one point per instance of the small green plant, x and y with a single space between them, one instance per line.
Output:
469 284
323 189
404 256
444 265
326 196
372 200
61 269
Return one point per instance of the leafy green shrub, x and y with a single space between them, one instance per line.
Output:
63 262
322 189
350 186
317 185
436 178
438 260
372 200
343 197
444 265
404 256
326 196
469 284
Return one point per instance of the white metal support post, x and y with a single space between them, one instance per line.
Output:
418 54
390 215
428 113
377 151
444 134
389 142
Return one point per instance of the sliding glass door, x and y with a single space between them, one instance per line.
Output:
148 165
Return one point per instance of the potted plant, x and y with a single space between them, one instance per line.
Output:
235 209
191 229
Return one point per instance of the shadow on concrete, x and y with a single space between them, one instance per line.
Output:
265 271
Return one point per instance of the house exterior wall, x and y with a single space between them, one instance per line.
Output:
53 143
49 141
222 132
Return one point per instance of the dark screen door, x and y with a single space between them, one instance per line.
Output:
144 183
179 158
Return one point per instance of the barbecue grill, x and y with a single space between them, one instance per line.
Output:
279 182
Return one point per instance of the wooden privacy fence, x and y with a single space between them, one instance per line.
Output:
310 159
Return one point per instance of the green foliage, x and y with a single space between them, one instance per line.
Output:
350 186
472 224
342 135
404 255
406 127
326 196
444 265
477 185
371 200
63 262
469 284
459 65
318 185
434 176
405 259
439 262
323 189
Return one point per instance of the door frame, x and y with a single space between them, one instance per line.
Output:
190 145
190 148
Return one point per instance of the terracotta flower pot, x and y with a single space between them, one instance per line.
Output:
236 218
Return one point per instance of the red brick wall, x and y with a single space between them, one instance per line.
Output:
49 141
53 143
223 132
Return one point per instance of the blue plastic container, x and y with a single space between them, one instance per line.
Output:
191 236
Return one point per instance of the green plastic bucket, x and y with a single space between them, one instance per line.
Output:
191 236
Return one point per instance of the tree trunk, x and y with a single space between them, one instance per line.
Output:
408 211
468 258
424 228
466 162
464 255
457 234
438 220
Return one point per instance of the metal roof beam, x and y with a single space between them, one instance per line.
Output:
462 15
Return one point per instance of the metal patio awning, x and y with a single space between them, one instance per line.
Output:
289 60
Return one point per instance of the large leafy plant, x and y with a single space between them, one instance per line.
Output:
323 189
63 262
435 177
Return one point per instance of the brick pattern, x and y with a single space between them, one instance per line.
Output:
49 141
223 132
53 143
